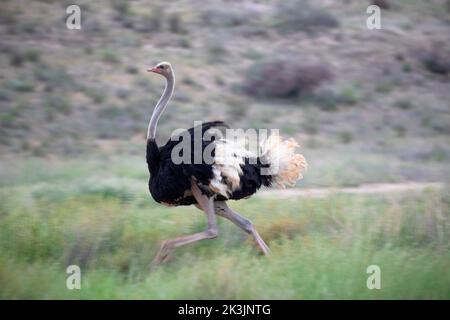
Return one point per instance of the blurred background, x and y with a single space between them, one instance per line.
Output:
371 109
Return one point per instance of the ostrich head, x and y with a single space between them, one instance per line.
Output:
163 68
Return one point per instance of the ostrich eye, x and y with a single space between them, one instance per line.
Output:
160 67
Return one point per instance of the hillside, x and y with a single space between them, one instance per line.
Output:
375 99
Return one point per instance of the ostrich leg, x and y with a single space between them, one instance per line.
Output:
223 210
211 231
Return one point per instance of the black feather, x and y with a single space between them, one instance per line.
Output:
170 182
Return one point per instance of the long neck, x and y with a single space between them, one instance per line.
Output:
161 106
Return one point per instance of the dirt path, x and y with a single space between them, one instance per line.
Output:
362 189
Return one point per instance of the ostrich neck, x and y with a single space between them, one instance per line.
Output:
161 106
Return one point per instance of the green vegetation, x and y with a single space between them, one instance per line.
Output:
302 15
110 227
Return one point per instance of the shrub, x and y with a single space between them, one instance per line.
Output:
110 56
96 94
350 96
216 50
32 55
284 78
123 93
253 54
329 100
150 22
54 104
184 42
121 7
403 104
301 15
326 100
175 23
20 85
225 17
8 118
345 137
8 16
383 4
53 76
18 56
4 95
435 57
132 70
17 60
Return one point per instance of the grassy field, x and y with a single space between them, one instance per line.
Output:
321 248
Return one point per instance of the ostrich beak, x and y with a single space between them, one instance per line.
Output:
153 69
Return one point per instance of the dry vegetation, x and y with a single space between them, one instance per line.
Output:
310 68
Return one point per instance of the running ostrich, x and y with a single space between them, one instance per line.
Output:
209 186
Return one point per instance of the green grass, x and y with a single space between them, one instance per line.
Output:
110 227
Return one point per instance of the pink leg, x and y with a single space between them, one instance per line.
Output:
223 210
211 231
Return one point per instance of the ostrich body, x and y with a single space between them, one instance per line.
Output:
209 185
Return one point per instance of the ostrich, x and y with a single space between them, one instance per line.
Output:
209 186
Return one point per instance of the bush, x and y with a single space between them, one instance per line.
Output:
284 78
327 100
434 56
150 22
301 15
403 104
175 23
57 103
436 59
123 93
121 7
8 117
4 95
184 42
32 55
132 70
110 56
345 137
17 60
97 94
54 76
19 56
383 4
8 16
20 85
216 50
225 17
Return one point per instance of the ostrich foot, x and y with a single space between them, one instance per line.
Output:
162 255
260 242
